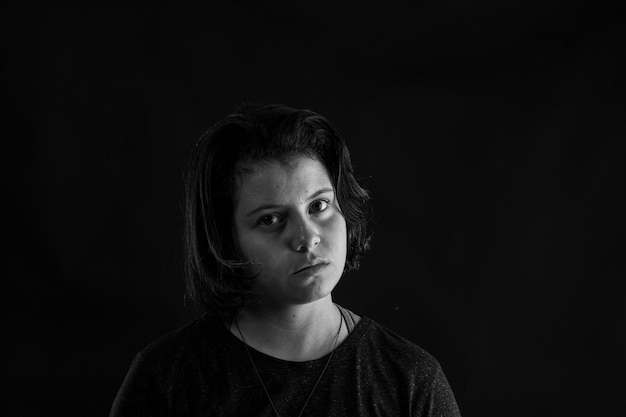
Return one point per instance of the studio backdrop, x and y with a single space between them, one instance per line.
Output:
491 138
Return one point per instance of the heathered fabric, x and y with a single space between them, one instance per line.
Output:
203 370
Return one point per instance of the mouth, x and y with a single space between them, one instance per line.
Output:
311 268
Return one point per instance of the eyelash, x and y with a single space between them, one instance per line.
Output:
326 203
275 216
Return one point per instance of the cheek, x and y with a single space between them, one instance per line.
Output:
259 249
339 232
250 248
344 232
251 251
245 245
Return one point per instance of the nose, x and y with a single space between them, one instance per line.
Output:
305 235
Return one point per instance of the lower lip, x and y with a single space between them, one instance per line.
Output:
311 270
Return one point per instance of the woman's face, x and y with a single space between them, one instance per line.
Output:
288 223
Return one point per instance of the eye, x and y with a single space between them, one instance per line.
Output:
268 220
319 205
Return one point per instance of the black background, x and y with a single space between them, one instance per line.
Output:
490 135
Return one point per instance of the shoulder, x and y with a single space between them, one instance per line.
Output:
183 343
165 364
388 359
173 356
396 353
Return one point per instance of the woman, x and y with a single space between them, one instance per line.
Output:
274 217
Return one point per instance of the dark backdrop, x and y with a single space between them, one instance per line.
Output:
491 137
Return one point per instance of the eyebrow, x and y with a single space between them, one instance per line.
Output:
273 206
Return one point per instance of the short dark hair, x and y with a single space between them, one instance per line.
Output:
216 279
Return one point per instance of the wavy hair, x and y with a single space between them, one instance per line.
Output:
216 279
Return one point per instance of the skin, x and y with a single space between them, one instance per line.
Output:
287 218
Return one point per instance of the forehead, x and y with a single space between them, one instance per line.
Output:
278 182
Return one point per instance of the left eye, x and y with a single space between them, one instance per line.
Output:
319 205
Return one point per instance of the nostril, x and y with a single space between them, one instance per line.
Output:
307 242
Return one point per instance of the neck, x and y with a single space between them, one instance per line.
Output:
294 332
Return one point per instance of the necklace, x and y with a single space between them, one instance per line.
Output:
318 379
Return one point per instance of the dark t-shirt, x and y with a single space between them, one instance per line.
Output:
203 370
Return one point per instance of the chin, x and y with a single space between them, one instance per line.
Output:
316 293
302 291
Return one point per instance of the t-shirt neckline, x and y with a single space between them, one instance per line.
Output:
233 342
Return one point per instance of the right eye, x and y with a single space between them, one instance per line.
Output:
268 220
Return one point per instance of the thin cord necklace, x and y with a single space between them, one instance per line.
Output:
318 379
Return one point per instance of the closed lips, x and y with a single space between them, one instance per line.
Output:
317 265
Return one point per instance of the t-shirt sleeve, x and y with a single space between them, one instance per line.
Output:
139 394
440 401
